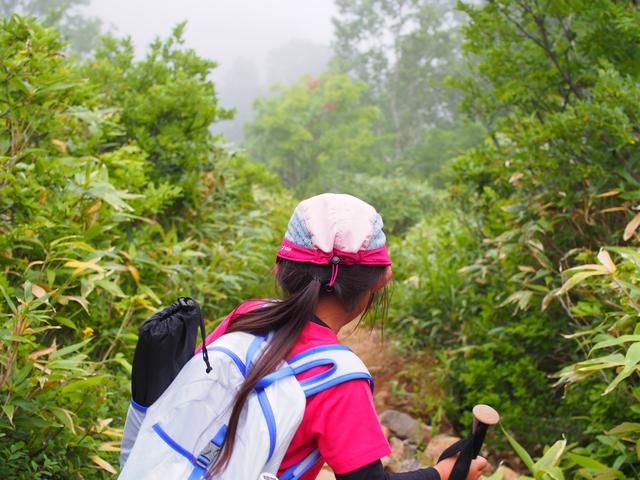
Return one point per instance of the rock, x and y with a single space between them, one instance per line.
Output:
409 449
426 433
409 465
386 431
435 447
326 473
397 454
508 474
400 424
488 470
445 426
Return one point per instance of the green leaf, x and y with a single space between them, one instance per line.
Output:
64 416
631 365
586 462
15 338
69 349
110 287
9 302
119 358
51 276
616 341
497 475
22 85
8 410
4 261
577 278
81 384
553 472
549 460
626 427
56 86
65 321
522 453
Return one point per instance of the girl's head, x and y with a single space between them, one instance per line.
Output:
334 246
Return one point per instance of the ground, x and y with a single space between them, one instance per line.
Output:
395 374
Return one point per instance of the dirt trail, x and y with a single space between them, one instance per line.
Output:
377 355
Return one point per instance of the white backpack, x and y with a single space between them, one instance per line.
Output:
181 433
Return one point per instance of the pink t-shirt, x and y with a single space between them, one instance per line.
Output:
340 421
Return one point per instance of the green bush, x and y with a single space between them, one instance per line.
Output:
556 179
103 220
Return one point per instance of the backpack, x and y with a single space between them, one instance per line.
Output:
184 429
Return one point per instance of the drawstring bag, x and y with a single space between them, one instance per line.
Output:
166 343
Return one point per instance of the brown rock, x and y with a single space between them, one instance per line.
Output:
397 454
386 431
400 424
508 474
426 433
445 426
435 447
381 398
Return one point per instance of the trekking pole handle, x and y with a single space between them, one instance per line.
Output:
483 417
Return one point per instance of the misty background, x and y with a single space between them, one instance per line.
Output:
254 42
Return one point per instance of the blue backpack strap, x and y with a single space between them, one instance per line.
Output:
344 366
296 471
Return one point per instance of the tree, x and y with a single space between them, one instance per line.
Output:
315 132
404 50
80 31
167 104
556 86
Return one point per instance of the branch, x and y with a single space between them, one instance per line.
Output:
544 44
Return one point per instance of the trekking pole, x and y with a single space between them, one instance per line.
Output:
469 448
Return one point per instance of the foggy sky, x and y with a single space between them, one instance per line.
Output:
222 30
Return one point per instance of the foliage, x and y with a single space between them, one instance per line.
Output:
404 50
614 355
555 180
98 230
315 133
152 113
82 32
430 307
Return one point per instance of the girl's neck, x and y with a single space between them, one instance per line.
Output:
331 312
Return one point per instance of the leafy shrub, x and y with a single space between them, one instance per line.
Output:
555 180
98 230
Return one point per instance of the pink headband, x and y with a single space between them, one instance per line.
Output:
375 256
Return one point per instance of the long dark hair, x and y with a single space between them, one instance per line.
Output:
287 318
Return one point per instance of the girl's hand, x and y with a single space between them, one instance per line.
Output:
445 467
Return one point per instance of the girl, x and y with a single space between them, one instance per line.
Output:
332 267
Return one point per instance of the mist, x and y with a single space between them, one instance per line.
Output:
254 42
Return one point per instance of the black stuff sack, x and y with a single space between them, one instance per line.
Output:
166 342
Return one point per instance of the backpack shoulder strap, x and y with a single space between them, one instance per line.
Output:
344 366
